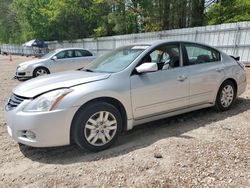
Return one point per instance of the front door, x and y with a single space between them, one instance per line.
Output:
163 91
65 61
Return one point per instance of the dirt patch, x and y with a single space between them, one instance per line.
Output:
199 149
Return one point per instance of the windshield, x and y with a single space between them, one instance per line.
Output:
48 55
116 60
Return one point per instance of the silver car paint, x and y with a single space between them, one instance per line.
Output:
57 65
46 83
53 127
142 100
162 88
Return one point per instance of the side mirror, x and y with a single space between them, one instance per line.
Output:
147 67
54 58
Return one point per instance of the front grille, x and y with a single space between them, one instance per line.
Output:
14 101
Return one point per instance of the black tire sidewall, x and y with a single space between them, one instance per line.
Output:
80 121
218 104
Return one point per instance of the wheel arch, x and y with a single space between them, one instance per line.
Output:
110 100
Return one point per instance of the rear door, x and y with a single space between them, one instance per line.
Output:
205 71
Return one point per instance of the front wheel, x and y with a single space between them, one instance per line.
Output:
40 72
225 96
97 126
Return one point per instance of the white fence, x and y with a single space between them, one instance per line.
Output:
22 50
233 38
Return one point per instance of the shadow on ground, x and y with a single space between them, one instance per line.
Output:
140 137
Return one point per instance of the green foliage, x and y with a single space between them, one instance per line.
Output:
54 19
228 11
23 20
9 26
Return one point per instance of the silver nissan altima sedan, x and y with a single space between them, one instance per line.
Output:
129 86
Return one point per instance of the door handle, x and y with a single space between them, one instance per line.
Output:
220 69
181 78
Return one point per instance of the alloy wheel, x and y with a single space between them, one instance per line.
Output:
41 72
227 96
100 128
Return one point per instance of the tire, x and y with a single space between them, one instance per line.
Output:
226 96
96 126
40 71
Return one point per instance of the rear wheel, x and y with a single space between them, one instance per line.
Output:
97 126
40 72
225 96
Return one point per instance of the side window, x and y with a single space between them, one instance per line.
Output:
166 57
154 56
197 54
70 53
61 55
65 54
86 53
82 53
78 53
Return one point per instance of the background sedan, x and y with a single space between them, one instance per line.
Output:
55 61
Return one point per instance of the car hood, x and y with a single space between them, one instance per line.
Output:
31 62
44 84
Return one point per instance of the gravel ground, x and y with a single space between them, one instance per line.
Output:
199 149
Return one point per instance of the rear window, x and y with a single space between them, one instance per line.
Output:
198 54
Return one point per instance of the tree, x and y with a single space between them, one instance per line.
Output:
54 19
22 20
9 26
227 11
197 15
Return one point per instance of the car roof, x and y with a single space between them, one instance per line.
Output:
159 42
156 42
60 49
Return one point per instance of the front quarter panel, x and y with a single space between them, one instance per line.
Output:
32 66
45 63
113 87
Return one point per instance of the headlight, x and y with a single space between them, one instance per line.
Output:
23 67
47 101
